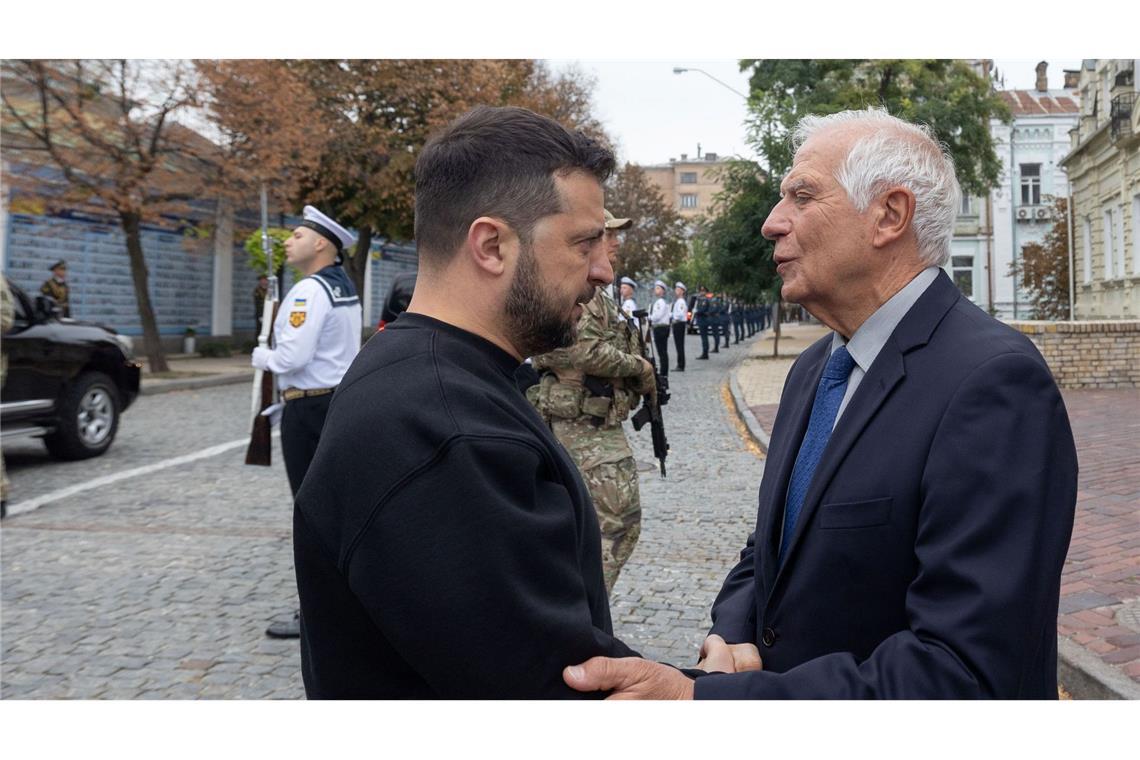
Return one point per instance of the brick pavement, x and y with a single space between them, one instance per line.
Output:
1100 591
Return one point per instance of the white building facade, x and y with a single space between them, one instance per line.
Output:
991 231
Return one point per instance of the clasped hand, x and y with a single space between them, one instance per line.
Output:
635 678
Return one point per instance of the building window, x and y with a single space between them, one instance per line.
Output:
1136 234
962 270
1109 232
1086 238
967 206
1030 184
688 200
688 178
1122 255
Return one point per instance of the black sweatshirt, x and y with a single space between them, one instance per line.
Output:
444 542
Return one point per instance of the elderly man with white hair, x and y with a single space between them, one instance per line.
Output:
918 498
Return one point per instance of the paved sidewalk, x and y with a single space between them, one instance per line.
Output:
1099 618
190 371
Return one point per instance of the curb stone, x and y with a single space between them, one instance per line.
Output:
193 383
1085 676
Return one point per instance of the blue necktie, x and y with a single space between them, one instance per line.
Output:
828 396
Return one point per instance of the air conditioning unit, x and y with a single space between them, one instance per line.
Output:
1023 213
1042 213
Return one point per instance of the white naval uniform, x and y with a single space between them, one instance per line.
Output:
680 310
314 342
629 306
659 313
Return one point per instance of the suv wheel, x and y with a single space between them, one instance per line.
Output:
88 418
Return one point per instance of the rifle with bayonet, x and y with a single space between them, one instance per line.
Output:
264 391
651 403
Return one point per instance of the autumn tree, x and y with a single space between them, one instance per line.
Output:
269 130
266 122
109 128
379 114
656 241
1043 270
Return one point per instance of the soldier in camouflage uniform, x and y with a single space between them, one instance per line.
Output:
585 392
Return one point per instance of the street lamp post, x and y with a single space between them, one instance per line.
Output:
680 70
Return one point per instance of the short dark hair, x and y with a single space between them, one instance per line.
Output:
496 161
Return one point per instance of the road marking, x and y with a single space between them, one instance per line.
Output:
64 493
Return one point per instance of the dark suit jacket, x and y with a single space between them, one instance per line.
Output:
926 562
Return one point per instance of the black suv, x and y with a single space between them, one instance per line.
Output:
68 381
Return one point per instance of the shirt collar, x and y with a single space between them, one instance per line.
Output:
873 334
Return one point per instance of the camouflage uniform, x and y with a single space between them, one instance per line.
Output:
590 426
60 292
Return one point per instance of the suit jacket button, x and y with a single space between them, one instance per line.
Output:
768 637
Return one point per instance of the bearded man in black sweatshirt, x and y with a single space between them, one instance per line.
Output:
445 544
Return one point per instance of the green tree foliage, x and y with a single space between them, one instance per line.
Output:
1043 271
277 238
949 96
740 257
656 242
696 268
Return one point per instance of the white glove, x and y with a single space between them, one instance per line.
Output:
260 358
273 412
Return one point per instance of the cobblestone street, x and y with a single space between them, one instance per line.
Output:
161 585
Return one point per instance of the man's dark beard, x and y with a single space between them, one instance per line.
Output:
535 325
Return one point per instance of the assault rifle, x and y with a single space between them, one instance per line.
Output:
260 445
650 410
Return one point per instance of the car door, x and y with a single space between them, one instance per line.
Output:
34 372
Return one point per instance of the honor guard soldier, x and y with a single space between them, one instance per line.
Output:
628 304
717 321
56 287
585 393
659 317
680 323
316 336
737 320
702 315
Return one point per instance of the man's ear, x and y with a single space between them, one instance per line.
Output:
894 212
489 244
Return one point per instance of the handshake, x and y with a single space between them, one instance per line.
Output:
635 678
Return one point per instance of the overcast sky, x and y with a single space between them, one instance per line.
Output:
656 115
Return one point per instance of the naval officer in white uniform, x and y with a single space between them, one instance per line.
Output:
316 336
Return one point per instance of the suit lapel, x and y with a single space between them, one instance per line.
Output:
887 371
774 489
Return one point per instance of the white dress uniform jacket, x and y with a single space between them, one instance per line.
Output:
680 310
316 333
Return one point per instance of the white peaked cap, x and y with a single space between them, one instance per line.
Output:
326 227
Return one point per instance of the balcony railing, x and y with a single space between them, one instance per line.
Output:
1121 115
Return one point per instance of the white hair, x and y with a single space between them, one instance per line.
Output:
896 152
